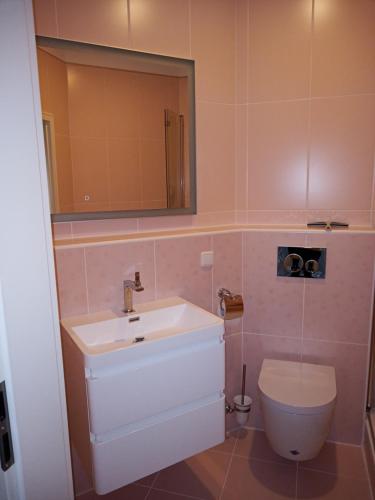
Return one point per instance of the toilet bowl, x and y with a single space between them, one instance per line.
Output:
297 401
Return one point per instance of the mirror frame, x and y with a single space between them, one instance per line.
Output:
189 66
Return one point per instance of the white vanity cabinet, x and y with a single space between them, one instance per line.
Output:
136 408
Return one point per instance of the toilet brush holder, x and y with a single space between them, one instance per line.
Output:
241 407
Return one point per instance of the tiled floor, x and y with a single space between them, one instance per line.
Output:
245 468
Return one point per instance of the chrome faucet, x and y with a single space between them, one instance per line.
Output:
129 286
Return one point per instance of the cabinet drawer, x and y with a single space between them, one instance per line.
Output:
127 458
138 391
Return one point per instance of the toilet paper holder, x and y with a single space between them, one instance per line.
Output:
230 305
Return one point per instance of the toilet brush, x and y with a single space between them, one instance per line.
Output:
243 384
242 403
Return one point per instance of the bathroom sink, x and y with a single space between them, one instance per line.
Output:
152 328
143 381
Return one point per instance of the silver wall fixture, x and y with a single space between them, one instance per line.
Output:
328 225
301 262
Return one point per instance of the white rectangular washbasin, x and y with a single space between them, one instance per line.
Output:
154 326
136 407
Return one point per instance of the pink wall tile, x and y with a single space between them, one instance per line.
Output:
256 348
273 305
153 170
227 272
342 153
61 230
292 217
95 21
109 265
71 281
104 226
157 94
338 307
241 170
276 217
160 26
88 157
279 49
215 157
277 144
45 18
124 171
178 270
241 50
214 218
165 222
241 217
343 47
58 95
213 48
43 60
350 362
123 98
87 100
64 174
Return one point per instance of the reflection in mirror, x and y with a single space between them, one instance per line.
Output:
118 130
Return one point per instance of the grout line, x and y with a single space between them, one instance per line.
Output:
335 474
264 460
86 280
219 103
244 281
312 27
130 38
329 341
366 462
213 293
155 273
56 19
309 112
228 470
151 486
189 21
303 308
313 98
303 319
182 495
296 485
372 193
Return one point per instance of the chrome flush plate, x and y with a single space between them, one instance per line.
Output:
301 262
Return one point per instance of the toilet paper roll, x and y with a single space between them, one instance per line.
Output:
231 306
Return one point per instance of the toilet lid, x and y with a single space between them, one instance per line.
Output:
299 386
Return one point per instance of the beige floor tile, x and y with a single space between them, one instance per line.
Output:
340 459
321 486
228 445
164 495
259 480
200 476
254 444
130 492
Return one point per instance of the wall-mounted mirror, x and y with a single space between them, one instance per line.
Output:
119 131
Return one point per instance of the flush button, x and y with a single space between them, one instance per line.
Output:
312 266
293 263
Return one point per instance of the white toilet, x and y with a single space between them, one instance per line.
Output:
297 401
